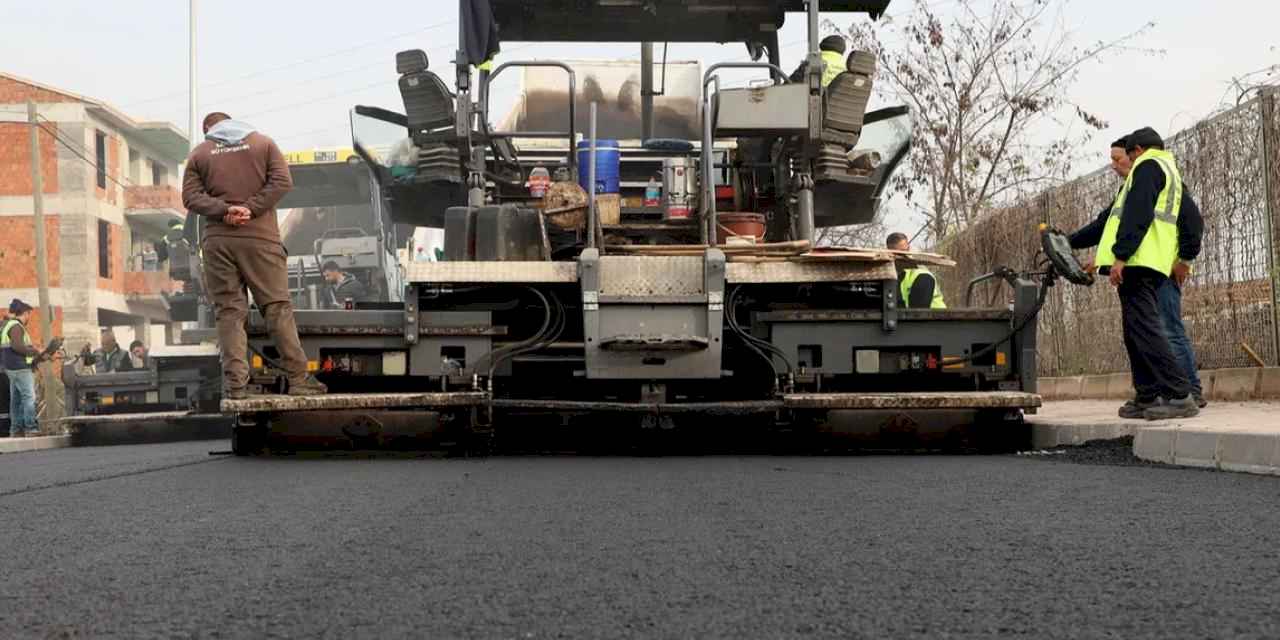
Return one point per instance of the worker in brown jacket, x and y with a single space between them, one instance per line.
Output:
234 180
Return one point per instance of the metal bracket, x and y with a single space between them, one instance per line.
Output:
411 314
889 305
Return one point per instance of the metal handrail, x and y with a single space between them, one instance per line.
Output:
708 185
573 100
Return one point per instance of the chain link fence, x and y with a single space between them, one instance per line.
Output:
1231 164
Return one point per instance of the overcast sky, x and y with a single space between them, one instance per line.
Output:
294 67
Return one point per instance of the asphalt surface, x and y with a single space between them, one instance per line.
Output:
164 541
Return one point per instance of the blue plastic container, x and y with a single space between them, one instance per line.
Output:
608 165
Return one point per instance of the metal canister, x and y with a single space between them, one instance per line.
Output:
679 184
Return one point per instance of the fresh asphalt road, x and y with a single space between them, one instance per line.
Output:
165 541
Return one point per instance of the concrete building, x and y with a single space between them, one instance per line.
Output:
111 187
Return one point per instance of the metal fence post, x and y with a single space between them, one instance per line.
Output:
1266 114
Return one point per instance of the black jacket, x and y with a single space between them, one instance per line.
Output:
1190 225
350 287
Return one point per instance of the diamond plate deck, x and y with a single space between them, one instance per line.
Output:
801 272
644 276
506 272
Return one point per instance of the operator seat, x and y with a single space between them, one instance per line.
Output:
428 104
429 109
844 105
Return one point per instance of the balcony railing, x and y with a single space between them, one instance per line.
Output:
146 276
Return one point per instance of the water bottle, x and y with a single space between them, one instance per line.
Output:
653 194
539 180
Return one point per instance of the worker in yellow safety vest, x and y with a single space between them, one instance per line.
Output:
832 49
918 286
1137 250
19 352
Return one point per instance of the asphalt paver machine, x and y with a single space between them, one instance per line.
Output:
622 319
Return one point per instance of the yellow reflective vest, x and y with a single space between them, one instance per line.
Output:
1159 248
832 66
4 337
909 278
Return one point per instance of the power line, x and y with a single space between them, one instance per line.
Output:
295 63
53 133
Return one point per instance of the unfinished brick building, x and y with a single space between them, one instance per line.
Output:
111 186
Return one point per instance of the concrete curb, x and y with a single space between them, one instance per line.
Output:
1045 435
1228 437
1243 451
1230 385
41 443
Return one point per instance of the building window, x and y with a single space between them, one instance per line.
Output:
104 249
135 166
100 148
158 175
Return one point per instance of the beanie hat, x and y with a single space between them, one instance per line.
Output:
1146 137
18 307
832 43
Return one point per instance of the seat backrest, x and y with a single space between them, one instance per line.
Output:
845 100
428 104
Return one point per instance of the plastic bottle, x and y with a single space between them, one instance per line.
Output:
539 180
653 194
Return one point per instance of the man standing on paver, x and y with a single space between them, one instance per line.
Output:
233 181
19 352
1138 245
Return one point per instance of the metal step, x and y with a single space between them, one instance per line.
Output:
339 401
914 400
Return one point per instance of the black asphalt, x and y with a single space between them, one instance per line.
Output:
164 541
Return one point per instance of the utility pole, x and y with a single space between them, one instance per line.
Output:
37 209
193 132
52 394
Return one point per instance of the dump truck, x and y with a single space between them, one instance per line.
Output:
599 312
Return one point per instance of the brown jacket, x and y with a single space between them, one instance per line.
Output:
250 172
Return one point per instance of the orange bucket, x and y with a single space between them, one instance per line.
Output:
749 225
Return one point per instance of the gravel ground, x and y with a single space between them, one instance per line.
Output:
164 541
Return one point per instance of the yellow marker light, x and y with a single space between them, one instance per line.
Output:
1001 359
107 401
313 366
257 362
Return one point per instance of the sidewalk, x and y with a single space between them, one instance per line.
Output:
19 445
1232 436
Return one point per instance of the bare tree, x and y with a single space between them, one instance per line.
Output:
990 94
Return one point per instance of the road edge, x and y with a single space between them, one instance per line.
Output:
39 443
1198 447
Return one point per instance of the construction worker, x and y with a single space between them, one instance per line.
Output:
18 352
1190 233
110 358
233 181
342 285
918 287
1138 245
833 60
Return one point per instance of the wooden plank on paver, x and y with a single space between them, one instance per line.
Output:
341 401
922 400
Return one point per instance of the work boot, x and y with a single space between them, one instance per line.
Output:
1132 410
307 386
1177 408
236 394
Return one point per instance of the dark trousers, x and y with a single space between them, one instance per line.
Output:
232 265
1156 373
